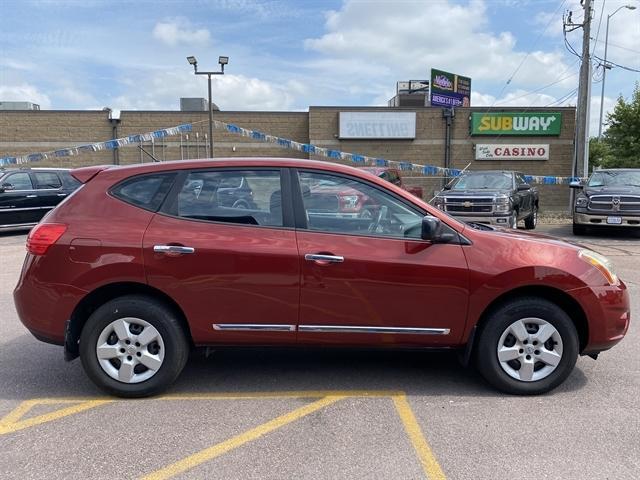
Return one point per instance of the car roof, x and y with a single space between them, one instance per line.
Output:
602 170
232 162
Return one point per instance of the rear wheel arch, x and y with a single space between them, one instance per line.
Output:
101 295
570 306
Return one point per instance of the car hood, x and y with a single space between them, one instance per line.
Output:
616 190
538 238
480 192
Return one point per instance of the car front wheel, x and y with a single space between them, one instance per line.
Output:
528 346
133 346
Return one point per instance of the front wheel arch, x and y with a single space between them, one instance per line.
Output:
93 300
571 307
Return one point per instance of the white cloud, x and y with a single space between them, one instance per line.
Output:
162 91
180 31
407 42
24 93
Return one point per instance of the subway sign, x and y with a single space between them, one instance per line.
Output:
511 123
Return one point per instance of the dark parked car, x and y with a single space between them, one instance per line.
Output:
172 272
610 198
26 195
493 197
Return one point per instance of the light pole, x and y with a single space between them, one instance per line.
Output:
605 66
222 61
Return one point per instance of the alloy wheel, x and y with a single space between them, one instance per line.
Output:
130 350
529 349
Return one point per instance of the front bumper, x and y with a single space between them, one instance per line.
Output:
608 312
602 220
499 220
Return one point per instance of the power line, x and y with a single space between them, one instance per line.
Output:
510 79
595 41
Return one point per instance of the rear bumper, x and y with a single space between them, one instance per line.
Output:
608 312
628 221
44 308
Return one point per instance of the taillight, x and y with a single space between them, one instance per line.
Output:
43 236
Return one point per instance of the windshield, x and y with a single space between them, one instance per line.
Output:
492 180
612 178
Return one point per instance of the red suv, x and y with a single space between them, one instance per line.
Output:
138 266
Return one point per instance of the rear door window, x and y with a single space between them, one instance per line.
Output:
47 180
145 191
249 197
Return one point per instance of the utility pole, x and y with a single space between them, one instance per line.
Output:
581 160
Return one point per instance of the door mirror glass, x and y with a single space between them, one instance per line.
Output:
575 185
6 186
524 186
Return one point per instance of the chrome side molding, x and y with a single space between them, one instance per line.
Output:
367 329
253 327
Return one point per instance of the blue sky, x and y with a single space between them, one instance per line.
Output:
287 55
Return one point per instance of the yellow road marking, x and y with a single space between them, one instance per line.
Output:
429 463
239 440
282 394
11 422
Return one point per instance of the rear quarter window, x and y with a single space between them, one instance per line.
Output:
145 191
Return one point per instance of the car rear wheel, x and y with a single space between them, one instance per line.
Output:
133 346
528 346
532 220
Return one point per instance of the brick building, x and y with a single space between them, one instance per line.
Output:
23 132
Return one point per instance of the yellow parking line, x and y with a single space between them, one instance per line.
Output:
281 394
239 440
429 463
12 423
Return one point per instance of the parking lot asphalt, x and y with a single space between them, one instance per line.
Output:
322 414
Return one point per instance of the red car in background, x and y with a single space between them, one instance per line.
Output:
175 268
332 198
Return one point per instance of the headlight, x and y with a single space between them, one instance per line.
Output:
438 202
582 201
501 204
602 263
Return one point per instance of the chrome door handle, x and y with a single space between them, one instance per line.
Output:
61 194
173 249
317 257
32 196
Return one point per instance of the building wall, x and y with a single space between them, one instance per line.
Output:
23 132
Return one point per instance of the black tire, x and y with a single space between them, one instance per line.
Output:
157 314
500 319
579 229
532 220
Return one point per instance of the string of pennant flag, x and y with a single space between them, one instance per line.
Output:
309 148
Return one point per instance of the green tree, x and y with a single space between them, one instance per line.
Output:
599 154
622 136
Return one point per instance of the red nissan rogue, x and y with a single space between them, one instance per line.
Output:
143 263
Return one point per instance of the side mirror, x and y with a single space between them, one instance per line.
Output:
5 186
431 229
524 186
576 185
447 187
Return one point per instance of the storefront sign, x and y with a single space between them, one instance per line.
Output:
391 125
449 89
512 152
512 123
